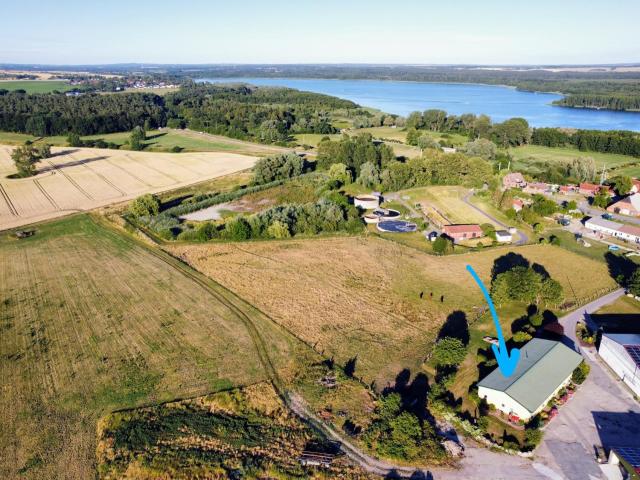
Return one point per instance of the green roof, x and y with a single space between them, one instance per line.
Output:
542 367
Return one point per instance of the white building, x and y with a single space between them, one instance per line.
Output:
544 368
503 236
613 229
621 351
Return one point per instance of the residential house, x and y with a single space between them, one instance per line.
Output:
517 204
513 180
544 368
462 232
592 189
627 206
503 236
602 226
539 188
621 351
635 185
568 189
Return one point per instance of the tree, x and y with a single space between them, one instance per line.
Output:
623 184
277 167
369 175
520 283
145 206
442 245
481 147
601 199
340 173
137 138
237 229
43 151
25 157
449 351
511 133
425 141
583 169
278 229
634 283
580 373
536 319
74 140
551 291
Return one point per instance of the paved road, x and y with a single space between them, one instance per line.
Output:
597 212
602 412
523 239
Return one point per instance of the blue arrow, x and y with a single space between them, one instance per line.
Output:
507 362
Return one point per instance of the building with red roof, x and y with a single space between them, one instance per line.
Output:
463 232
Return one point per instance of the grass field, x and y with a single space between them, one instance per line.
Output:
92 322
35 86
359 297
447 201
80 179
619 163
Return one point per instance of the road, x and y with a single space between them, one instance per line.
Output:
522 237
602 412
597 212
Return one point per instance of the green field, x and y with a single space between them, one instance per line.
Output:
92 322
620 164
35 86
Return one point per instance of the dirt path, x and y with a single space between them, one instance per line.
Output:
523 238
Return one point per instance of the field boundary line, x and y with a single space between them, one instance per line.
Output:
7 199
71 180
46 194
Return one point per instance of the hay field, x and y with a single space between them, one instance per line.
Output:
360 296
92 322
81 179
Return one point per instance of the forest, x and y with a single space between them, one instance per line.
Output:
616 141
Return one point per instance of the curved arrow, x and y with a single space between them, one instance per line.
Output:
507 362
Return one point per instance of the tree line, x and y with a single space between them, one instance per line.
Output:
623 142
609 102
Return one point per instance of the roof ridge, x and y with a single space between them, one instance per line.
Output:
518 378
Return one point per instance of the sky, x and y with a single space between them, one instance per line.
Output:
321 31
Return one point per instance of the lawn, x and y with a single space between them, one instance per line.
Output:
313 139
35 86
93 322
369 298
449 205
521 155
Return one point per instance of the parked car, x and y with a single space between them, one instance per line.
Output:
614 248
607 216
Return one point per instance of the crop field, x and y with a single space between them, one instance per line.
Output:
360 297
447 205
80 179
93 322
35 86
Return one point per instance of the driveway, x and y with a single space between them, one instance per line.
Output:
602 412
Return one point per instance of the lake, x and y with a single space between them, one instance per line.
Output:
498 102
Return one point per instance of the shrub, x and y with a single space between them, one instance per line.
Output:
278 229
442 245
277 167
580 373
521 337
237 229
144 206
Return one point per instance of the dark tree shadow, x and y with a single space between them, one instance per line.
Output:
412 393
519 323
350 366
620 268
507 262
540 270
456 326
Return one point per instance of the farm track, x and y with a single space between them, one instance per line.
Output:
84 163
5 195
135 177
46 194
164 174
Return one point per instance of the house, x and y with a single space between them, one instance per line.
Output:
517 204
513 180
544 368
635 185
503 236
600 225
568 189
592 189
621 351
537 188
462 232
627 206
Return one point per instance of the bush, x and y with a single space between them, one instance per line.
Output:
521 337
442 245
536 319
237 229
579 375
277 167
145 206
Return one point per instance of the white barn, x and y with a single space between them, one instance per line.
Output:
621 351
544 368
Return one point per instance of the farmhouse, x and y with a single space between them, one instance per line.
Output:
462 232
537 188
627 206
544 368
621 351
513 180
568 189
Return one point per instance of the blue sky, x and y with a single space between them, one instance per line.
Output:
331 31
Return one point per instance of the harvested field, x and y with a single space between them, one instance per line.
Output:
92 322
360 297
80 179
